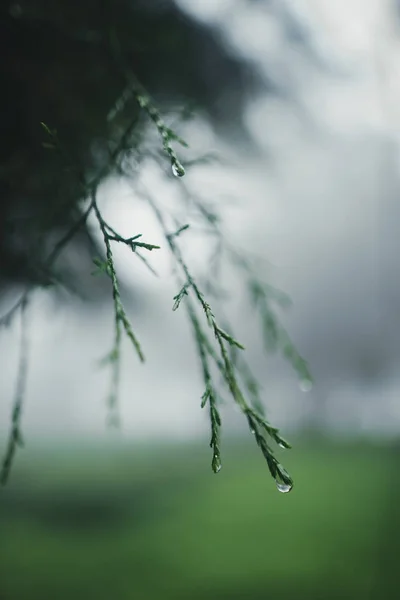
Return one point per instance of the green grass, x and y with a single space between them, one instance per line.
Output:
143 524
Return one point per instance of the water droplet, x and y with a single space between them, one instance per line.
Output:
253 431
305 385
284 487
177 169
283 481
282 446
216 463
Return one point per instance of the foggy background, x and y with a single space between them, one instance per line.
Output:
318 200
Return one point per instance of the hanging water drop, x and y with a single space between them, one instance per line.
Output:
306 385
216 463
177 169
284 487
282 443
283 481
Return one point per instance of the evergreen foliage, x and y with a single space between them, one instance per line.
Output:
221 355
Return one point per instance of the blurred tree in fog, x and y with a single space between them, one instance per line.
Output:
58 67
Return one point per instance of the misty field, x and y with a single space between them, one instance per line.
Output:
143 523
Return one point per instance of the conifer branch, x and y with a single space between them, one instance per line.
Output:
257 423
217 348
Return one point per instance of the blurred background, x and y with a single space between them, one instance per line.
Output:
290 109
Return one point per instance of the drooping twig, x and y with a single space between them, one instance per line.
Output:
259 426
143 98
15 438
